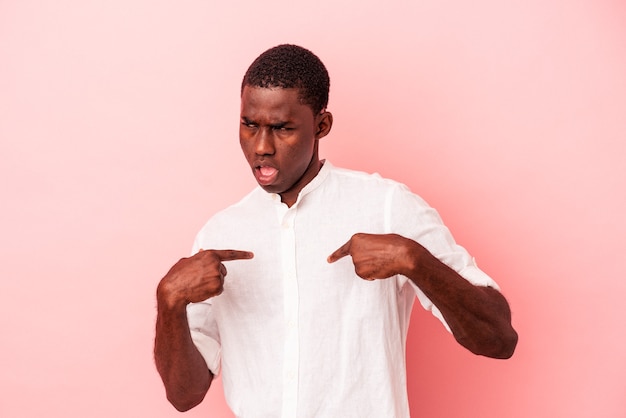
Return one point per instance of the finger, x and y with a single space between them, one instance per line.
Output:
229 255
340 252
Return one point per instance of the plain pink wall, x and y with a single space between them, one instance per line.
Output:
118 139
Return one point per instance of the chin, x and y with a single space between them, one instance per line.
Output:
271 188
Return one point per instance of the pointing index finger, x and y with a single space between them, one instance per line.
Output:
340 252
229 255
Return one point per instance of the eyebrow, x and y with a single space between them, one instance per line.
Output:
276 125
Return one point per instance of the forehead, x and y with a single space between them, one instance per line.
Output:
273 103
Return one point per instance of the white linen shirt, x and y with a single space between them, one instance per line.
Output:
296 336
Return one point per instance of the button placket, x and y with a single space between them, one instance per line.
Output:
290 294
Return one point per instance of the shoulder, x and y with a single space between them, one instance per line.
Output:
361 182
235 214
254 198
346 175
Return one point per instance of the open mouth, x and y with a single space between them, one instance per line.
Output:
265 175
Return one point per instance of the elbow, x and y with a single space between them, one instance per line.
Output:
499 338
184 399
494 344
501 346
185 391
509 343
184 405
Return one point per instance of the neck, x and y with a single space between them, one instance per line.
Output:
289 197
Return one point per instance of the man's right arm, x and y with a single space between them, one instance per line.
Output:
182 368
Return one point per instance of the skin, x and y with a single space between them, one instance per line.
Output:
479 317
279 137
279 133
180 364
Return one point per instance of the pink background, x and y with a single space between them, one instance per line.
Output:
118 129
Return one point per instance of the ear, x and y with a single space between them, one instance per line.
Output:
324 121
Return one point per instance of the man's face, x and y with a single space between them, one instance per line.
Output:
279 138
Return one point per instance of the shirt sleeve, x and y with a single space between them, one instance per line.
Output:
203 328
410 216
204 334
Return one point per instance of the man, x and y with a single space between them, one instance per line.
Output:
323 267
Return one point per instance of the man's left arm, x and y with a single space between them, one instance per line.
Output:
478 316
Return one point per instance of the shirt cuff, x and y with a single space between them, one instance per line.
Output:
209 349
477 277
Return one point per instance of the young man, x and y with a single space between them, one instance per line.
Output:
323 267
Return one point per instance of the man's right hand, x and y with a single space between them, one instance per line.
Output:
197 278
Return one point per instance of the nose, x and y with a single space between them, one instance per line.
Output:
264 142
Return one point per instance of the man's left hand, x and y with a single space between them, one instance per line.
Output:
377 256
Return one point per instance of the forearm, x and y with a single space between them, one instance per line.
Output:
180 364
479 317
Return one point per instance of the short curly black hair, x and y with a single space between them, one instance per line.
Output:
291 66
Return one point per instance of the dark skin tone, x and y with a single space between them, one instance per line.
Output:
479 317
191 280
279 137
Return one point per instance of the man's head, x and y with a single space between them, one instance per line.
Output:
283 116
291 66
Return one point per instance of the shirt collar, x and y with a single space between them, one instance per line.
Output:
312 185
